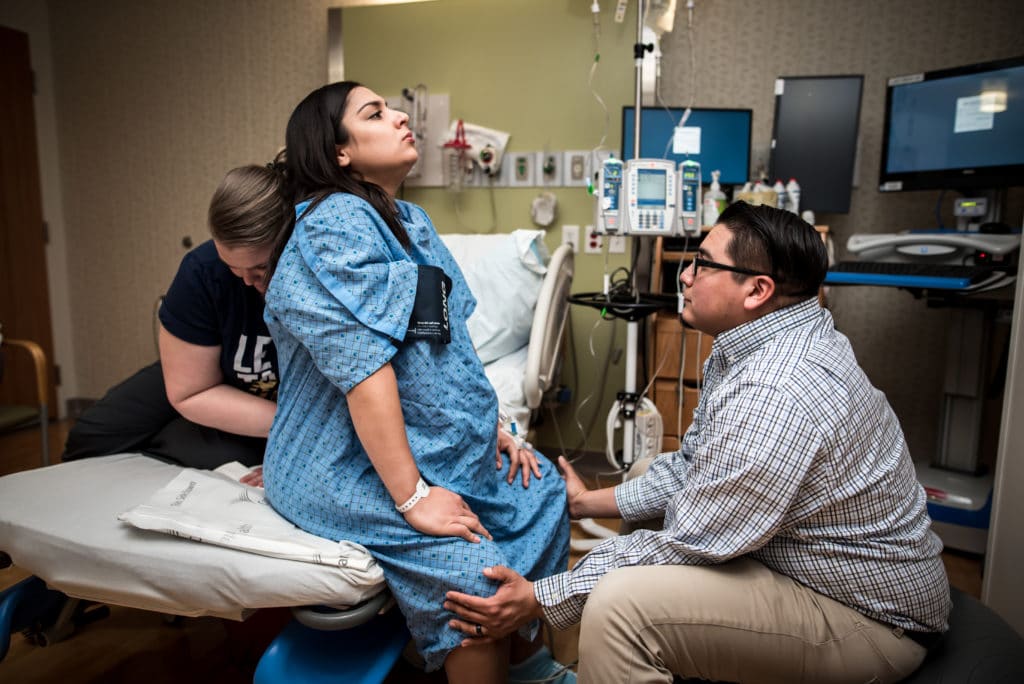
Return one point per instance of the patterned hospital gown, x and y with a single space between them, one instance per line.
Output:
337 308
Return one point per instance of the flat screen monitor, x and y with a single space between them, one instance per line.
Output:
814 138
717 138
957 128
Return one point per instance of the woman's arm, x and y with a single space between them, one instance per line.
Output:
196 390
377 416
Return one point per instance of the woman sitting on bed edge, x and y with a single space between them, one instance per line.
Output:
385 427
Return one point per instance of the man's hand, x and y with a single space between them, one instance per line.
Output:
495 617
575 490
443 513
520 457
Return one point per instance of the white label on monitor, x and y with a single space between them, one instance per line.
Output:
686 140
903 80
969 116
780 86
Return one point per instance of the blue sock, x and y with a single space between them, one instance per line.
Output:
540 667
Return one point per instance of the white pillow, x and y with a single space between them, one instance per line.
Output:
504 273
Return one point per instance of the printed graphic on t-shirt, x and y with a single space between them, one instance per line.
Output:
252 367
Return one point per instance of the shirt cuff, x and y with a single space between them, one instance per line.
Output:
561 610
629 497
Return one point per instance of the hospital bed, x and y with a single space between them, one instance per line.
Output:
61 523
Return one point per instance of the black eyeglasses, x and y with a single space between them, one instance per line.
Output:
699 263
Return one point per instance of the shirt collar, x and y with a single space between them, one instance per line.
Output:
736 343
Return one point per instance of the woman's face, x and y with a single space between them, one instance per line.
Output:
381 149
246 262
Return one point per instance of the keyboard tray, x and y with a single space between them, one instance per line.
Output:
904 274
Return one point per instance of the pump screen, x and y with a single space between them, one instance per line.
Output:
650 187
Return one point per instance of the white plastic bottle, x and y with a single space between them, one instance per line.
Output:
793 196
780 194
714 200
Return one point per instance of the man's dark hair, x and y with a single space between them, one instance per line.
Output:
778 243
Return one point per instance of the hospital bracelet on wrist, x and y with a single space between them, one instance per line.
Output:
422 490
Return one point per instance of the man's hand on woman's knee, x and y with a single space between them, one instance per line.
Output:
512 605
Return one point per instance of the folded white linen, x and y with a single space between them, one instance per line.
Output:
211 508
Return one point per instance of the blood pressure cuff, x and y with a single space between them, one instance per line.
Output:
429 319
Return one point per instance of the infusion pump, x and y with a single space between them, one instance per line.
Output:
641 196
649 196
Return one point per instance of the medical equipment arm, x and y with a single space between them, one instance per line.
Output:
196 389
377 417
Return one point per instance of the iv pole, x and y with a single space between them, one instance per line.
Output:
629 397
631 400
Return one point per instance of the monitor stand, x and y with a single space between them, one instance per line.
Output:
959 493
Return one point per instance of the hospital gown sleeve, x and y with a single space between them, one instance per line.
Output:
347 290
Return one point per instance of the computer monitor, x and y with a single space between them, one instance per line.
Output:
721 135
814 138
959 129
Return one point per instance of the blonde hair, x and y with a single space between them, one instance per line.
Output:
251 206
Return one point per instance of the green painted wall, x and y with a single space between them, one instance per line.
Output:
520 66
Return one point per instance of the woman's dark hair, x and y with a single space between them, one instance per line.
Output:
779 243
252 206
311 139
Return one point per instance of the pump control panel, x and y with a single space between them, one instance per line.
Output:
649 196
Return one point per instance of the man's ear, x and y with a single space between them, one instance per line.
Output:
343 158
761 290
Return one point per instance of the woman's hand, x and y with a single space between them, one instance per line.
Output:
443 513
254 478
520 457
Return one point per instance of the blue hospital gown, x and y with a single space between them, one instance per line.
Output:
338 307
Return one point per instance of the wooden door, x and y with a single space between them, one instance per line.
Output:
24 295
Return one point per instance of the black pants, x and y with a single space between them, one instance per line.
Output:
136 416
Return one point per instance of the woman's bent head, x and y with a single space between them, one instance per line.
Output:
249 212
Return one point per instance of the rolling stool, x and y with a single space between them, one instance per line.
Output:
979 648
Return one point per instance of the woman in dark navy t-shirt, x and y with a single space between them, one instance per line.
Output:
211 398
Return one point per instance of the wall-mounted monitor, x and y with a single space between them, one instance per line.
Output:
717 138
814 138
960 128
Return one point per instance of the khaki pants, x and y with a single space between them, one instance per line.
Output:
735 622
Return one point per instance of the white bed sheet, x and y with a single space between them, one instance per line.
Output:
60 523
506 377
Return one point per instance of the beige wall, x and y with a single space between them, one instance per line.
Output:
33 18
156 100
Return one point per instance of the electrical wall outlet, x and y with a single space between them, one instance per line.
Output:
616 244
594 241
576 168
571 236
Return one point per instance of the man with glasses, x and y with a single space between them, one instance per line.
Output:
796 545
